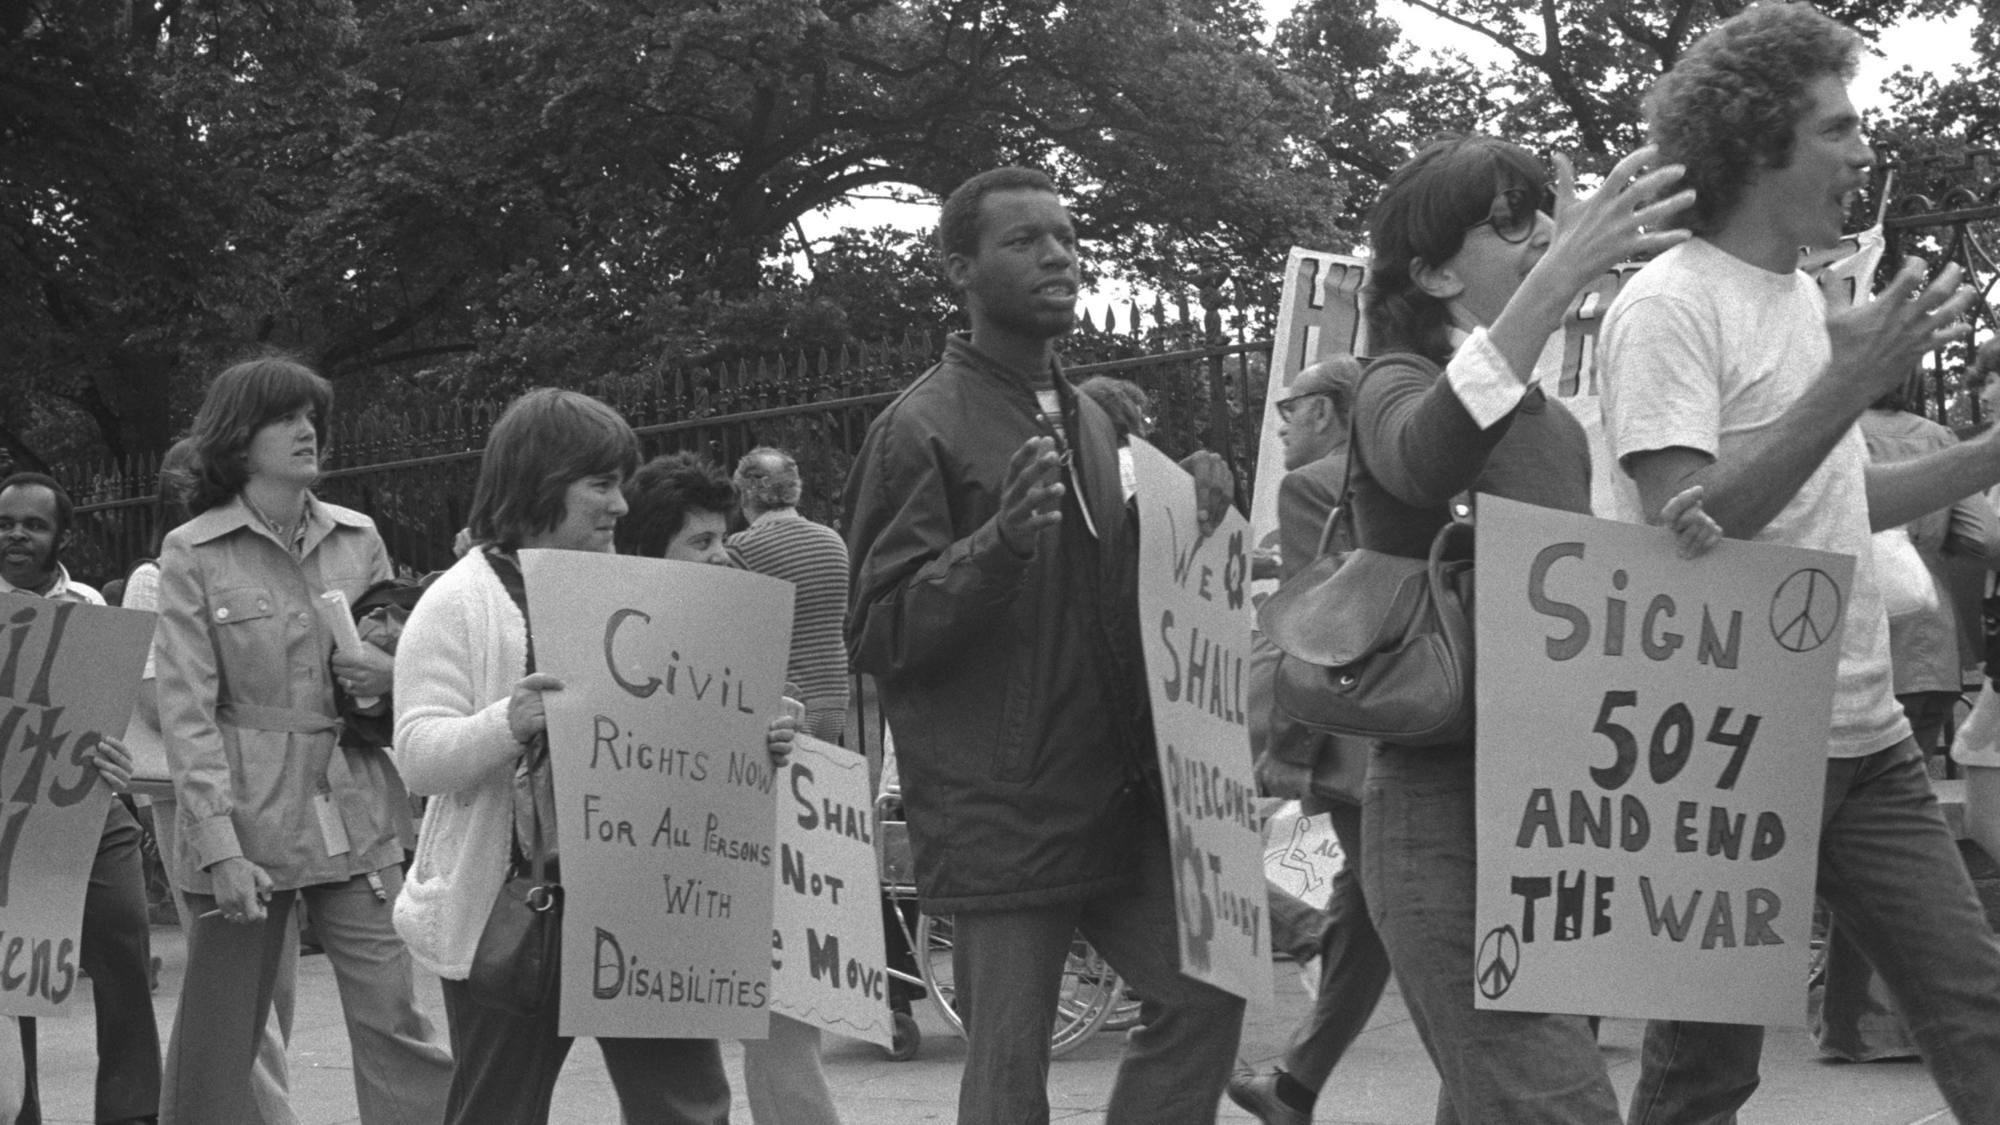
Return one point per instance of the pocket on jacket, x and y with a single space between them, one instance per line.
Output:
250 643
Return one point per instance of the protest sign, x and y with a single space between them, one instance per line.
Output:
665 797
829 963
68 673
1652 750
1195 619
1319 315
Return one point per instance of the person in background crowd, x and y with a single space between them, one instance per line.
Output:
1469 273
469 708
812 557
116 952
1725 372
680 505
271 808
1131 415
995 601
269 1075
1927 657
1350 966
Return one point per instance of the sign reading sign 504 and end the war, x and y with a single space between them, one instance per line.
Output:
1652 760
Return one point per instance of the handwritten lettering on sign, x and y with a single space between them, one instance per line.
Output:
665 797
1193 601
1652 746
68 674
829 964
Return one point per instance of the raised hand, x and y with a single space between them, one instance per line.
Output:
1629 217
1031 494
1877 343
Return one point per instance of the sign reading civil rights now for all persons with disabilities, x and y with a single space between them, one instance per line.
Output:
829 963
666 799
1651 765
68 675
1195 616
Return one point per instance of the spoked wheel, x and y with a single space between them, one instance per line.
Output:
1089 991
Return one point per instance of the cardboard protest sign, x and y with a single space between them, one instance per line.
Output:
829 962
68 673
1652 749
1195 617
1319 315
665 797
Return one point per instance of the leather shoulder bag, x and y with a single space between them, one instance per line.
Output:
1374 645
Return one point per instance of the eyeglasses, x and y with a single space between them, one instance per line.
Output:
1514 214
1288 407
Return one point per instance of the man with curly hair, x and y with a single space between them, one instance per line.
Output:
1726 371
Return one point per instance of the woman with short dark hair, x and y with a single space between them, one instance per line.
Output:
471 734
271 807
1470 275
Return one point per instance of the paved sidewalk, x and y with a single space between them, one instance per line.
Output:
1385 1080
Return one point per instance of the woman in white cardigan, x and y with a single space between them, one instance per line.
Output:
467 707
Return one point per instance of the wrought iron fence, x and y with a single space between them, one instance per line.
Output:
1948 208
414 473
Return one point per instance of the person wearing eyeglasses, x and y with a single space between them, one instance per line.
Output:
1468 274
1341 959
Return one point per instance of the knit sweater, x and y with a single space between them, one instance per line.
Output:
462 651
813 558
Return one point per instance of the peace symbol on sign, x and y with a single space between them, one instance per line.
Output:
1805 612
1499 962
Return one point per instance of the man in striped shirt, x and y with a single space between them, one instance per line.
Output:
813 558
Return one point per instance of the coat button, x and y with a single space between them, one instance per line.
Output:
263 607
222 614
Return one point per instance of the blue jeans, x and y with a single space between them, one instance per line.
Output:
1890 872
1353 966
1419 843
1008 966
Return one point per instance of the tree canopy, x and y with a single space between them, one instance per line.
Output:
435 198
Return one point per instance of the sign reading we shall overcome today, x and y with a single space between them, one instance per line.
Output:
1652 755
68 673
829 965
665 797
1194 615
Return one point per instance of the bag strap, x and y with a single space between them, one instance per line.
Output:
1343 510
508 569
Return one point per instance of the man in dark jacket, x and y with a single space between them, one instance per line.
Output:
996 601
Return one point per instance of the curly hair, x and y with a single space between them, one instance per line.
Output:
767 478
1423 214
1730 105
662 494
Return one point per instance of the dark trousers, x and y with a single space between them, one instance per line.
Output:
507 1066
116 953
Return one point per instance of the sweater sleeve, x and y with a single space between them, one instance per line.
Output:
448 738
1417 437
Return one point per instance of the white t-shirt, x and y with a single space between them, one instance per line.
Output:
1704 350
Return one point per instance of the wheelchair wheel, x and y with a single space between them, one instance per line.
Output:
1088 992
